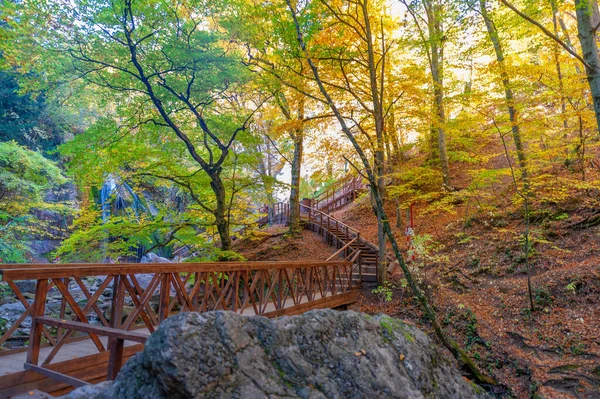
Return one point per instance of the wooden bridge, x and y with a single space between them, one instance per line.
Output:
249 288
86 341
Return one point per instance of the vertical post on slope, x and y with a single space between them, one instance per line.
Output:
39 308
410 233
359 259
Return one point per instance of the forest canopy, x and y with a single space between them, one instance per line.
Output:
197 113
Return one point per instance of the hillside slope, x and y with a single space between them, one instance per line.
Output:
474 271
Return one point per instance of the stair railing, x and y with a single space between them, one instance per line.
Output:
338 194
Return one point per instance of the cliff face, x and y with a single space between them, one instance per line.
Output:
320 354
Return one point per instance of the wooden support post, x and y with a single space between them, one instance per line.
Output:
321 223
118 298
360 267
63 308
333 284
39 308
280 289
165 291
115 346
115 359
195 298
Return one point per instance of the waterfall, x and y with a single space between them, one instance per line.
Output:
116 196
105 193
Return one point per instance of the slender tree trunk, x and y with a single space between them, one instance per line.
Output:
220 212
587 37
508 93
377 99
298 138
556 51
436 42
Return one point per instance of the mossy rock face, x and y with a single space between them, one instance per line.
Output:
320 354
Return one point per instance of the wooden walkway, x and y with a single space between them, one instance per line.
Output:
12 361
66 352
270 289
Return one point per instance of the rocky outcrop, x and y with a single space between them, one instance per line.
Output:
153 258
320 354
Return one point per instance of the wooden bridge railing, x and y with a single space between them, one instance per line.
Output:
277 213
339 194
250 288
334 197
327 222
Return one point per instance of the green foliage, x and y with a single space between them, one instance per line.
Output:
419 183
384 292
29 121
572 287
176 119
542 296
213 254
472 334
426 248
25 178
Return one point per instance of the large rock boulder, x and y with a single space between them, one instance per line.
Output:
151 257
320 354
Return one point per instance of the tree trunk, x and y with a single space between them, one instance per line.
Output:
436 43
220 212
452 346
587 38
375 190
556 53
508 94
377 99
295 189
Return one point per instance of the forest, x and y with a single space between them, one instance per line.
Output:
132 130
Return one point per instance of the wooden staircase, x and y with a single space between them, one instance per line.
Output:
316 216
338 234
338 195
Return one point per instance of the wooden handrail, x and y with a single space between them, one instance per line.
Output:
12 272
335 186
262 288
90 328
313 210
355 255
342 249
